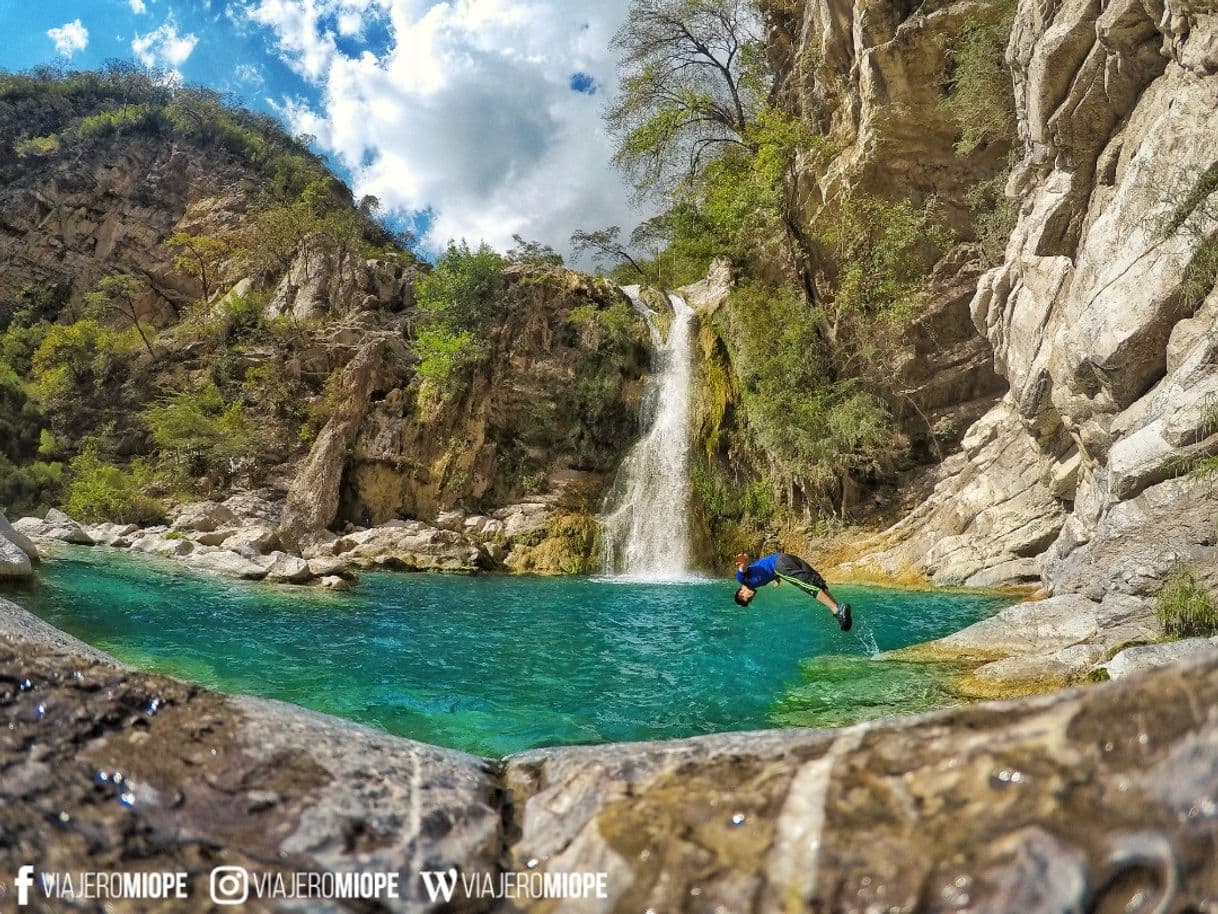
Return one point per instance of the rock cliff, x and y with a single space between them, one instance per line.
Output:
1101 315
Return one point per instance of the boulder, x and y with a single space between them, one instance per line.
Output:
18 539
334 582
119 536
285 569
1151 656
327 565
479 526
204 517
56 526
227 563
162 544
1025 629
412 546
14 561
251 507
256 539
450 520
214 537
524 518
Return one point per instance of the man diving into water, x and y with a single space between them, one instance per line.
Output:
779 567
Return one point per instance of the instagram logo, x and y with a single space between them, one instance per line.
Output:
230 885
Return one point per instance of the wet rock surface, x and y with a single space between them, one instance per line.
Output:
106 768
1099 799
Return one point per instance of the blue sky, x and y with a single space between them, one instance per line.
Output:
484 114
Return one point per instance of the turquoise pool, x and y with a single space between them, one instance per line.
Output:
495 664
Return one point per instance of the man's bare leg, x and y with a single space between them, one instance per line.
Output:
826 599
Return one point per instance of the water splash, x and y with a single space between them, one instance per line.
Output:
866 637
646 520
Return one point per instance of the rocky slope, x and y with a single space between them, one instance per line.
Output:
1100 799
1101 316
308 336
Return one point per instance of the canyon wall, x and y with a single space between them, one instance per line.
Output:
1101 316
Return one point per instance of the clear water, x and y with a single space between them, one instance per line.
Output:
494 665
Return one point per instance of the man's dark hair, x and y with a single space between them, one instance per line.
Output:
741 599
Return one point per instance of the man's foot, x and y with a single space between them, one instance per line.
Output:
843 616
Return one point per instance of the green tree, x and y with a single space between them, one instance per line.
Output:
119 294
102 491
458 300
606 246
533 253
202 256
693 80
201 431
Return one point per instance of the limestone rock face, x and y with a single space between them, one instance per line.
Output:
524 422
1101 318
411 546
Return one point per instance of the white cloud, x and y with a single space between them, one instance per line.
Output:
69 37
249 74
138 7
468 112
163 46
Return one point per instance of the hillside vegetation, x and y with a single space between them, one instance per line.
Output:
183 286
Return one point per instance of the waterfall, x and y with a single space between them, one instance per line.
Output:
646 522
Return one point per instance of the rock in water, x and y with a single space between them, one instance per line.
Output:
14 563
18 539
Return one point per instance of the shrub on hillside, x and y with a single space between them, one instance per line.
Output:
203 433
457 299
1186 608
102 491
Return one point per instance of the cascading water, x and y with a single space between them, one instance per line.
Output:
646 527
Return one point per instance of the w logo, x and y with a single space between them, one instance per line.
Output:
440 884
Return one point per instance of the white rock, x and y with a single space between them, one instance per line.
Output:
204 517
214 537
284 568
258 538
58 526
1148 656
322 566
162 544
229 564
14 563
1037 627
118 536
18 539
450 520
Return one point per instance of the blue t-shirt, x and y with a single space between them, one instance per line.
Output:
759 573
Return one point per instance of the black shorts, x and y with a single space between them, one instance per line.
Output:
794 569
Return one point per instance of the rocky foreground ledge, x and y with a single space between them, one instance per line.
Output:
1098 799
